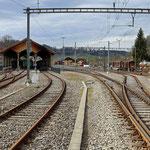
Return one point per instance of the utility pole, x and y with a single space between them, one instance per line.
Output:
29 11
63 38
108 56
104 59
119 42
75 55
38 4
118 3
88 57
28 46
135 58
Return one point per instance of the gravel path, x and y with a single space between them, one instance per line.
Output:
105 127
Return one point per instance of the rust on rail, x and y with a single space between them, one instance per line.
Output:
51 107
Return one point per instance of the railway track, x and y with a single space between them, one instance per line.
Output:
3 76
19 122
134 103
140 110
138 107
138 83
133 83
12 99
10 79
141 86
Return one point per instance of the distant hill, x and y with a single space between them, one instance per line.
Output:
69 51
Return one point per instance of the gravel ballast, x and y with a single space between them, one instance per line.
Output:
106 126
56 131
21 96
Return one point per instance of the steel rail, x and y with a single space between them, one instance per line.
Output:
121 84
126 72
4 82
9 77
132 117
124 90
136 121
138 95
141 86
3 77
139 125
28 100
59 97
13 79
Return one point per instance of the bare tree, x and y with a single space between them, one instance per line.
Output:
6 41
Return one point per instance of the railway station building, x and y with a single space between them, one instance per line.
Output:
15 56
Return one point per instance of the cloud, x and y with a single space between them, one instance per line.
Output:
85 29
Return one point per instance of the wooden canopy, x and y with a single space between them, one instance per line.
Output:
21 46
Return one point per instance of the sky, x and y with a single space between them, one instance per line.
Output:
92 30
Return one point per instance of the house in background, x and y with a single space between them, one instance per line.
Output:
16 55
60 61
69 61
66 61
81 61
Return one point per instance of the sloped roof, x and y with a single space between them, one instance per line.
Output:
81 59
24 40
69 58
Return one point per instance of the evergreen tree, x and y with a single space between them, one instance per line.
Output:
140 47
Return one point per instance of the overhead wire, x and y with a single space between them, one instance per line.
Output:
44 29
18 3
115 22
46 32
135 29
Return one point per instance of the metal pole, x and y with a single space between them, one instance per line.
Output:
63 52
28 46
38 4
88 56
135 58
17 61
108 56
104 59
119 43
35 56
75 56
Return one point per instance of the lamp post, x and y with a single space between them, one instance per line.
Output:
75 53
119 42
135 58
104 58
63 38
28 46
108 56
